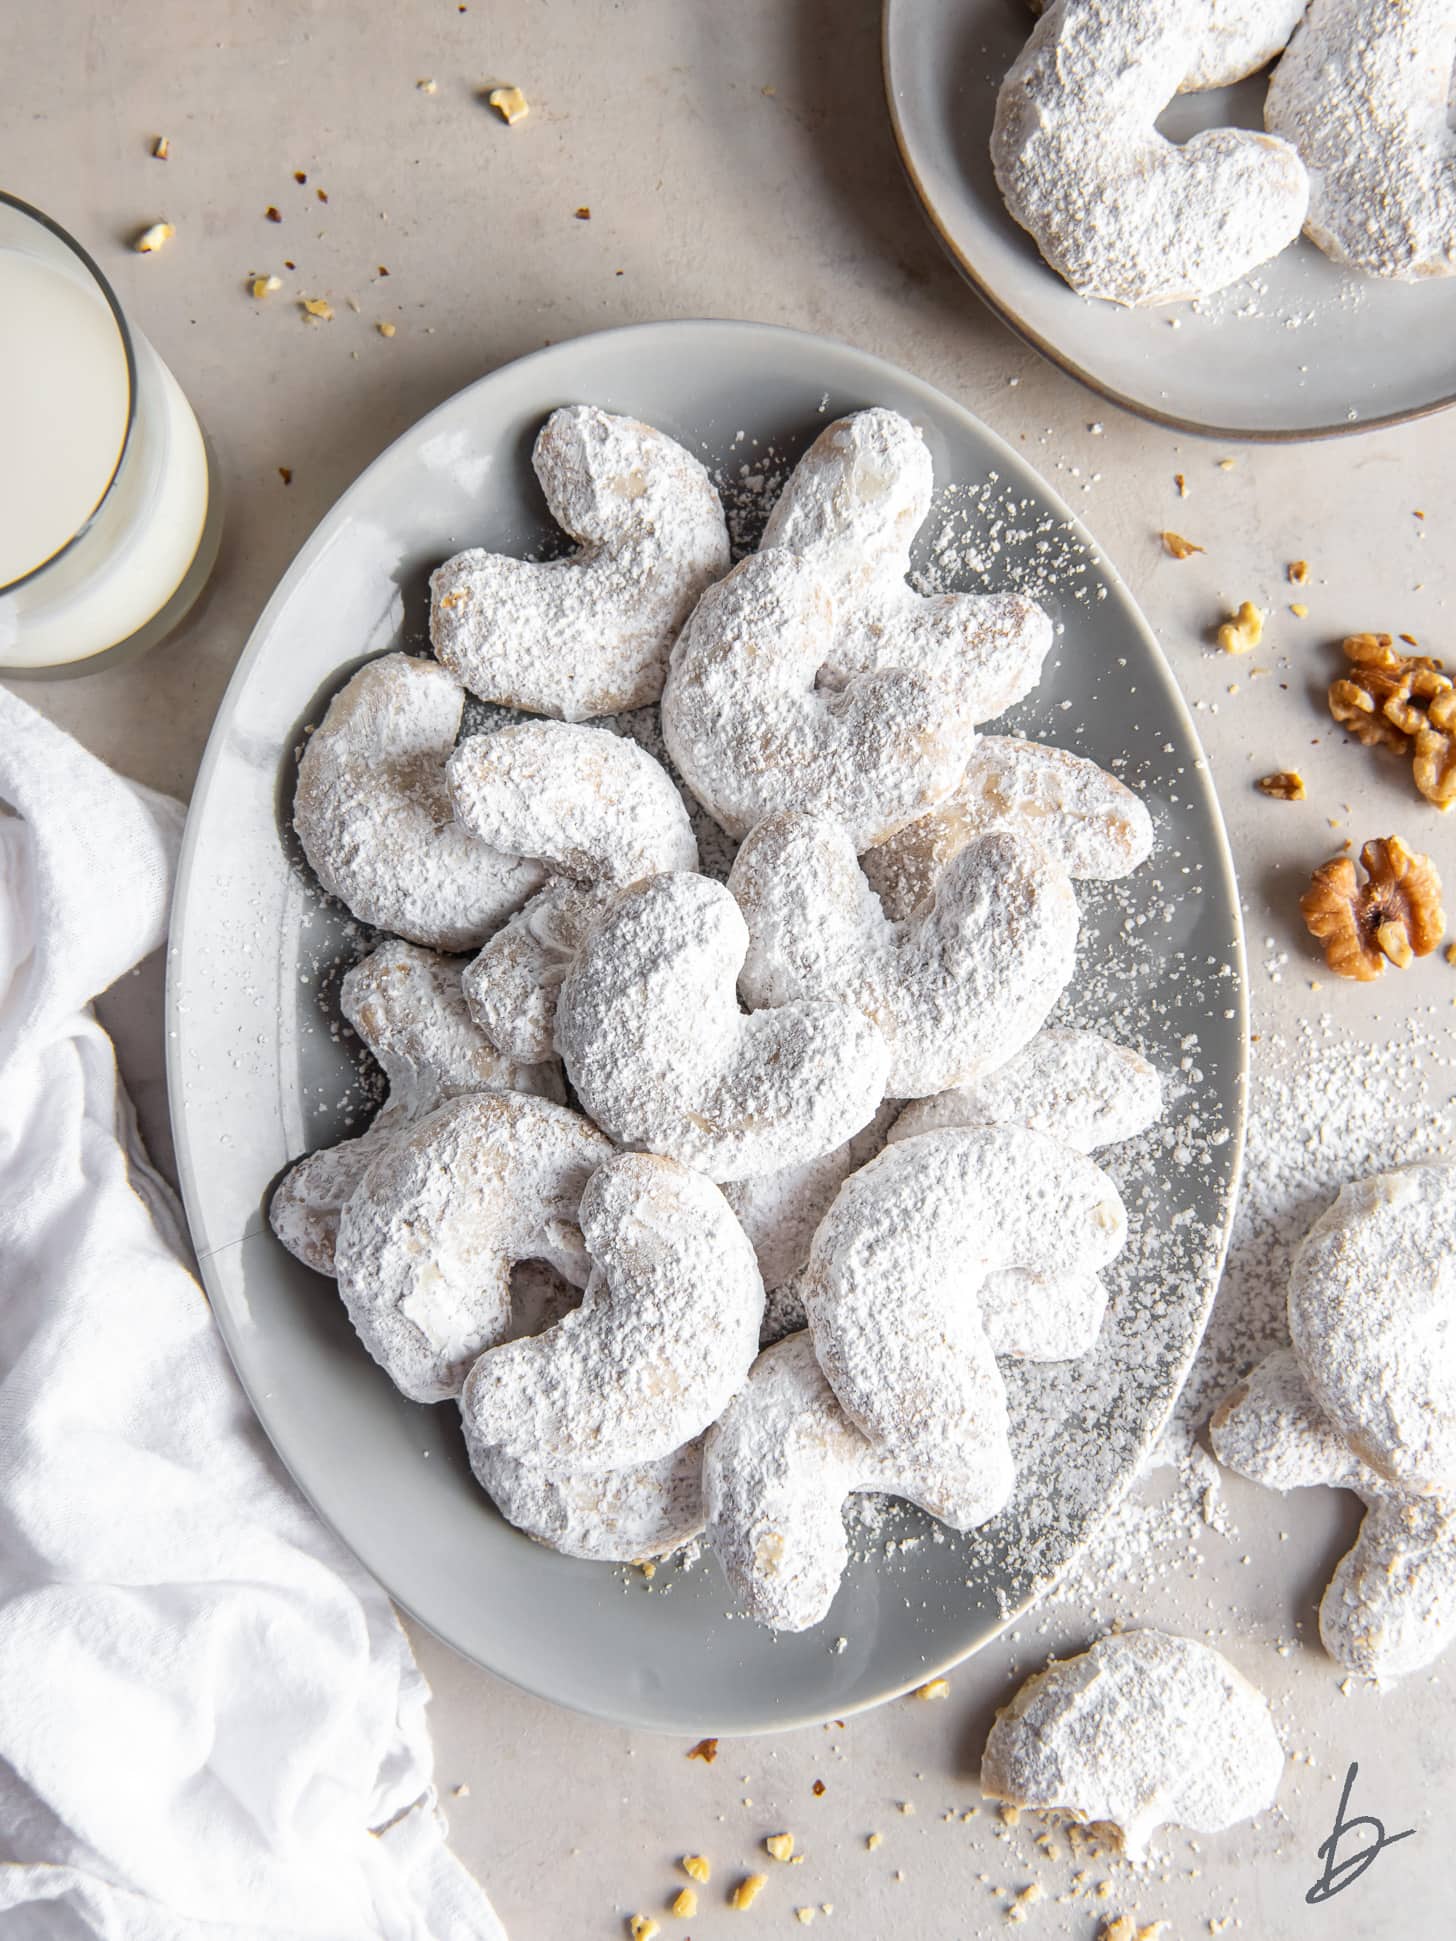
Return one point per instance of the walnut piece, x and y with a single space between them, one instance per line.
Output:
706 1750
1179 547
1434 765
1393 916
1403 702
509 103
1244 632
1298 572
747 1891
1286 786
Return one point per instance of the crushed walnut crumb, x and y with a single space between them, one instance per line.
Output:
1244 632
1393 917
509 103
1182 485
747 1891
1298 572
272 213
706 1750
1286 786
161 148
818 1789
1178 546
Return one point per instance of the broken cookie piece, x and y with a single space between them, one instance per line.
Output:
1142 1730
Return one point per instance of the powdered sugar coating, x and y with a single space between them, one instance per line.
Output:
1141 1730
588 635
375 820
608 1516
1365 94
851 509
776 1471
780 1211
596 809
899 1277
1372 1316
428 1239
1093 824
512 985
1390 1607
662 1058
956 989
1115 208
593 806
752 730
1238 37
407 1006
665 1334
1079 1088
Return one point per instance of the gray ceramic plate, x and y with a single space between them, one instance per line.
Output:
1300 349
258 1075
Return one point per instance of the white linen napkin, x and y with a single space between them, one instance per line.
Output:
211 1724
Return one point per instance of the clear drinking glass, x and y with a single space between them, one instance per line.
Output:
109 512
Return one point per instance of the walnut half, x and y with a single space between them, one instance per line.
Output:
1393 916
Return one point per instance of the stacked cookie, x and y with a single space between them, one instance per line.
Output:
1359 152
626 1202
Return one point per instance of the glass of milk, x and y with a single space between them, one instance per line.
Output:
109 517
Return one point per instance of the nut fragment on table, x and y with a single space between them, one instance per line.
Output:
696 1867
685 1904
780 1845
319 308
1403 702
642 1927
153 238
161 148
1286 786
264 286
1179 547
509 103
1244 632
1298 572
1394 916
747 1891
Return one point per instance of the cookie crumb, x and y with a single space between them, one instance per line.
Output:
685 1904
803 1915
161 148
780 1845
272 213
426 86
153 238
934 1688
642 1927
1298 571
385 329
696 1867
319 308
263 286
873 1840
706 1750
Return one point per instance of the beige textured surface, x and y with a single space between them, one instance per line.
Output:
736 161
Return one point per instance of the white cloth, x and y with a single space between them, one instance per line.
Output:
205 1704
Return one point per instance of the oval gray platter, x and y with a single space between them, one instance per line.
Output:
1301 348
259 1072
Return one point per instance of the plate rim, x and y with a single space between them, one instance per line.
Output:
1220 859
1000 306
